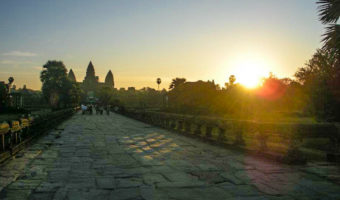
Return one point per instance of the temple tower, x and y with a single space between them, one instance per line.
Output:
90 70
90 82
109 81
71 76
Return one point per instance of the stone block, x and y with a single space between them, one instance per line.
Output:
105 183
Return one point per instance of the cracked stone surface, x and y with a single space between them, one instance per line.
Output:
114 157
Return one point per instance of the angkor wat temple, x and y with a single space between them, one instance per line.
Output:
91 81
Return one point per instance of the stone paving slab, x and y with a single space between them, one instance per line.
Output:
114 157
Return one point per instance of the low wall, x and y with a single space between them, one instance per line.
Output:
14 134
288 142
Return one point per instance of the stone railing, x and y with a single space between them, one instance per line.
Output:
15 133
289 142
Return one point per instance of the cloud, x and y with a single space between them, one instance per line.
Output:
38 67
20 54
8 62
14 62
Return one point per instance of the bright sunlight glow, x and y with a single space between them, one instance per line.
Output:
249 72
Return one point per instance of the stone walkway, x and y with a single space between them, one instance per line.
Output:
114 157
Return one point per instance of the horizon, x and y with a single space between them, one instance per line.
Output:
142 41
250 110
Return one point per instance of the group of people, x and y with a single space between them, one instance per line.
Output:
88 109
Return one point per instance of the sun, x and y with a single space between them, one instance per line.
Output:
250 72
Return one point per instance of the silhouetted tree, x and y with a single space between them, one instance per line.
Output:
105 94
272 88
10 80
176 82
232 80
57 88
193 97
5 93
321 79
158 82
74 93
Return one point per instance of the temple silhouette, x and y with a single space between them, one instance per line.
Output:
91 82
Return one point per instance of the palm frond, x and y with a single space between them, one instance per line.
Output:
331 38
329 11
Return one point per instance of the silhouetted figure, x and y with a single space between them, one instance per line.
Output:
108 109
90 109
101 110
83 109
97 109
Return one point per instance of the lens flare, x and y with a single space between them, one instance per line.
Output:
249 72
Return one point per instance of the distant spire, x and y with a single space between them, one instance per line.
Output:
71 76
90 78
109 79
90 70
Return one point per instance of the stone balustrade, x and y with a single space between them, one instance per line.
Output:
290 142
14 133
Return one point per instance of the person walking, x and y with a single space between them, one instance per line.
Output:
108 109
83 108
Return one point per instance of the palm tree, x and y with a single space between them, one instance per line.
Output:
158 82
329 12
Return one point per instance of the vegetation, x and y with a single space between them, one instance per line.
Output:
143 98
176 82
275 97
4 94
321 80
158 81
57 88
314 93
329 12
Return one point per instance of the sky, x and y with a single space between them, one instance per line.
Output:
143 40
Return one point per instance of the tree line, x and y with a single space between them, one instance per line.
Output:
314 91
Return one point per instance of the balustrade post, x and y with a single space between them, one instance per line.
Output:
239 136
208 131
187 127
262 139
180 126
173 124
4 129
3 141
294 154
156 120
168 123
221 135
148 119
163 122
160 121
198 129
